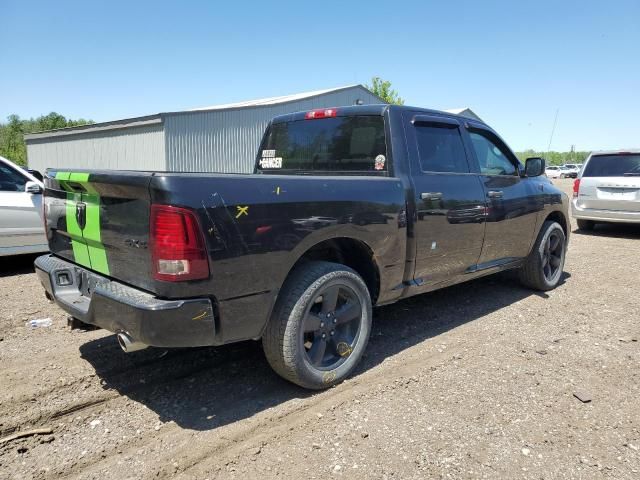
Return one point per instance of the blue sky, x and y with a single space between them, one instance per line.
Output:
514 63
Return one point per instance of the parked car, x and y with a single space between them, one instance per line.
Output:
375 203
572 169
553 171
608 189
21 225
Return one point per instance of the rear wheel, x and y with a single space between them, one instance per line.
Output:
544 265
586 224
320 326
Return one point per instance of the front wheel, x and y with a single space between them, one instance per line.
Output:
543 267
320 326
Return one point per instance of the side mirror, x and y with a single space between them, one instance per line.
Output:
32 187
534 166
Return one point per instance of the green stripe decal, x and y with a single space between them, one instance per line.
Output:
92 234
86 243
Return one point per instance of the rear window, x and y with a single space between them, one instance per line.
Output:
612 166
339 144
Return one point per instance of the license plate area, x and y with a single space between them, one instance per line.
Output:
617 193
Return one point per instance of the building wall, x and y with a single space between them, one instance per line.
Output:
133 148
227 140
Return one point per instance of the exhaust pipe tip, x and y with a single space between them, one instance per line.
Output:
128 344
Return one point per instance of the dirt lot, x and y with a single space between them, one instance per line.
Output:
474 381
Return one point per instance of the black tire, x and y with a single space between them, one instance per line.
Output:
586 225
302 305
544 265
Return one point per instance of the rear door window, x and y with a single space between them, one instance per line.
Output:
353 144
440 149
613 166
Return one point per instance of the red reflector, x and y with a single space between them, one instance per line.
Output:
264 229
576 187
177 247
321 113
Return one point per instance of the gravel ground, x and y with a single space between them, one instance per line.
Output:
474 381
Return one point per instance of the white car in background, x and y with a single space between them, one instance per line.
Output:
21 224
573 169
607 189
553 171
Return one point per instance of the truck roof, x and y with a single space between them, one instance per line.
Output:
375 109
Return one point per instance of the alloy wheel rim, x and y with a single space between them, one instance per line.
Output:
552 256
331 326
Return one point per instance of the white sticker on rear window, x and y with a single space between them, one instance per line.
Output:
380 161
271 162
268 153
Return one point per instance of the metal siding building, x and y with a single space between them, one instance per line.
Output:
222 138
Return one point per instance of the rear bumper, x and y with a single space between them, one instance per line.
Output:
117 307
621 216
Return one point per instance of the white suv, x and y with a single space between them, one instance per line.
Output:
607 189
21 225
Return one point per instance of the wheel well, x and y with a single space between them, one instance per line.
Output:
350 252
560 218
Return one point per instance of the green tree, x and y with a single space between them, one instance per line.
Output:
554 158
12 133
382 88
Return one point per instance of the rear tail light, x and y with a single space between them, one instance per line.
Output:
321 113
177 246
576 187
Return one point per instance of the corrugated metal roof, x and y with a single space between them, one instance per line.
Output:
158 118
277 100
465 112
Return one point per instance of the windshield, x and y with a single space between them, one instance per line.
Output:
613 165
338 144
11 180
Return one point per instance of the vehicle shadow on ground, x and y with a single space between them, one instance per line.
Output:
205 388
613 230
17 265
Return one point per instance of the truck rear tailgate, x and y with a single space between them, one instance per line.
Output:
100 220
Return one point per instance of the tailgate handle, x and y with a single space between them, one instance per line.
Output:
81 214
431 196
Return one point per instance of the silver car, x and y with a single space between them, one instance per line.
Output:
607 189
21 224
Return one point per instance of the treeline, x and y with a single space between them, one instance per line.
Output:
554 158
12 133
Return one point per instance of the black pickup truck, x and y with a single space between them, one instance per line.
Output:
348 208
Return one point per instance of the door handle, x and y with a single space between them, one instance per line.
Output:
431 196
494 194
